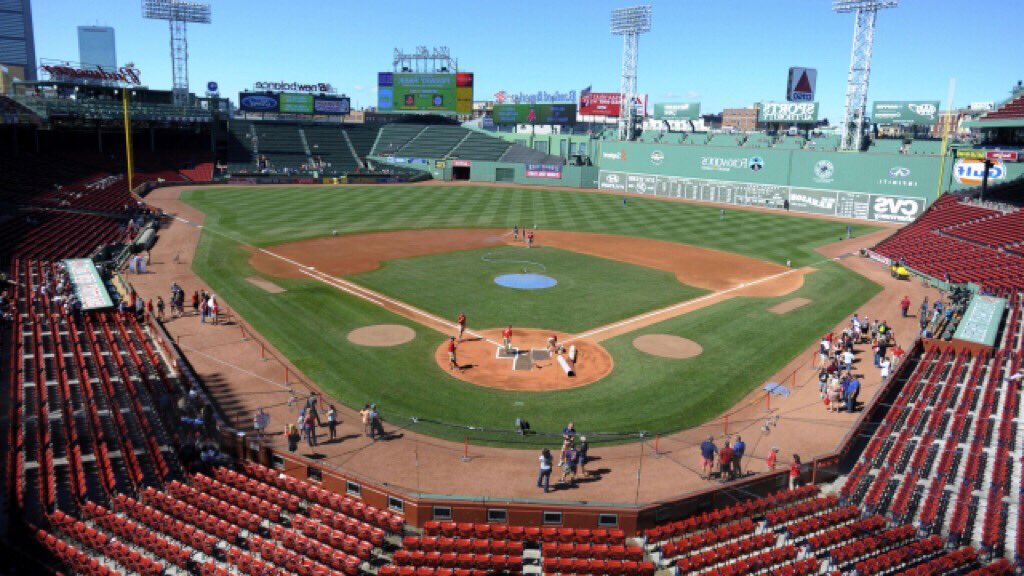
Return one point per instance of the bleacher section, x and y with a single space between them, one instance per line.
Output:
480 147
434 142
328 142
362 138
281 144
929 246
91 109
393 137
1012 109
240 154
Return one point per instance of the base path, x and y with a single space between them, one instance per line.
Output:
240 380
482 365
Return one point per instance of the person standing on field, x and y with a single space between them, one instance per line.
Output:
453 364
794 472
461 321
332 422
506 338
544 477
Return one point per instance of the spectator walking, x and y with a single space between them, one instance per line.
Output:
376 423
885 366
568 464
195 302
569 433
852 391
332 422
708 451
309 427
203 307
544 477
772 459
160 308
848 360
905 306
292 433
739 448
260 422
794 472
924 310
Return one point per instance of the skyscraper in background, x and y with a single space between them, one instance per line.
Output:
17 42
96 47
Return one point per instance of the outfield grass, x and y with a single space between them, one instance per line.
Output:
591 291
743 342
265 216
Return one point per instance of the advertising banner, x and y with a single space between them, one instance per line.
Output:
800 86
88 285
248 102
331 105
544 171
788 112
895 208
412 92
534 113
296 103
677 111
600 104
922 113
813 201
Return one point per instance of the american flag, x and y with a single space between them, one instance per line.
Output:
585 95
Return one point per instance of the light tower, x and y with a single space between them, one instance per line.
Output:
178 13
629 23
865 11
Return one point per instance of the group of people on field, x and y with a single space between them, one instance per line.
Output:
838 385
572 460
204 305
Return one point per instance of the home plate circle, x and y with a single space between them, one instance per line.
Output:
525 281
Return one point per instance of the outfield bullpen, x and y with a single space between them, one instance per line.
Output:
743 338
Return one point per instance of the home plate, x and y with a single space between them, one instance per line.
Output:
522 362
502 354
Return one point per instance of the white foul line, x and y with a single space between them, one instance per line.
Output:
691 302
346 286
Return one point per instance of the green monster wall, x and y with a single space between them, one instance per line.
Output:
882 187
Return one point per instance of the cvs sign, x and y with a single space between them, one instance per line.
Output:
895 208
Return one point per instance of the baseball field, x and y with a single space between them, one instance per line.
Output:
647 267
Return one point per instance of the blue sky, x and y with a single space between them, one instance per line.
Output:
723 53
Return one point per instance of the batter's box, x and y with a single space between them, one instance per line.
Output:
539 354
502 354
522 362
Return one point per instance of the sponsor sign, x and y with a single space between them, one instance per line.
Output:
88 285
534 113
611 180
824 171
657 157
544 171
899 176
905 112
722 164
971 153
462 163
124 74
607 104
503 97
895 208
788 112
439 164
293 86
677 111
1004 155
620 155
970 172
800 87
258 102
860 205
211 86
331 105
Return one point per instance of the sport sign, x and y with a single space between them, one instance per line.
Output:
788 112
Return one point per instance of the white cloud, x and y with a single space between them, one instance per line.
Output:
360 88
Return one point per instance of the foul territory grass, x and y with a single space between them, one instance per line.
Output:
264 216
743 342
590 292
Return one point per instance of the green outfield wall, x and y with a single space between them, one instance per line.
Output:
881 187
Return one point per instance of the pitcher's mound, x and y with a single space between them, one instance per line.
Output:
667 346
381 335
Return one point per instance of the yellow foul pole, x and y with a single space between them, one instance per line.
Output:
946 128
128 139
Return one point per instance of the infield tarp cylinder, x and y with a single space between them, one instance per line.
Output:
567 366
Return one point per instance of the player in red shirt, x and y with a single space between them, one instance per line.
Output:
506 338
461 320
529 239
452 363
